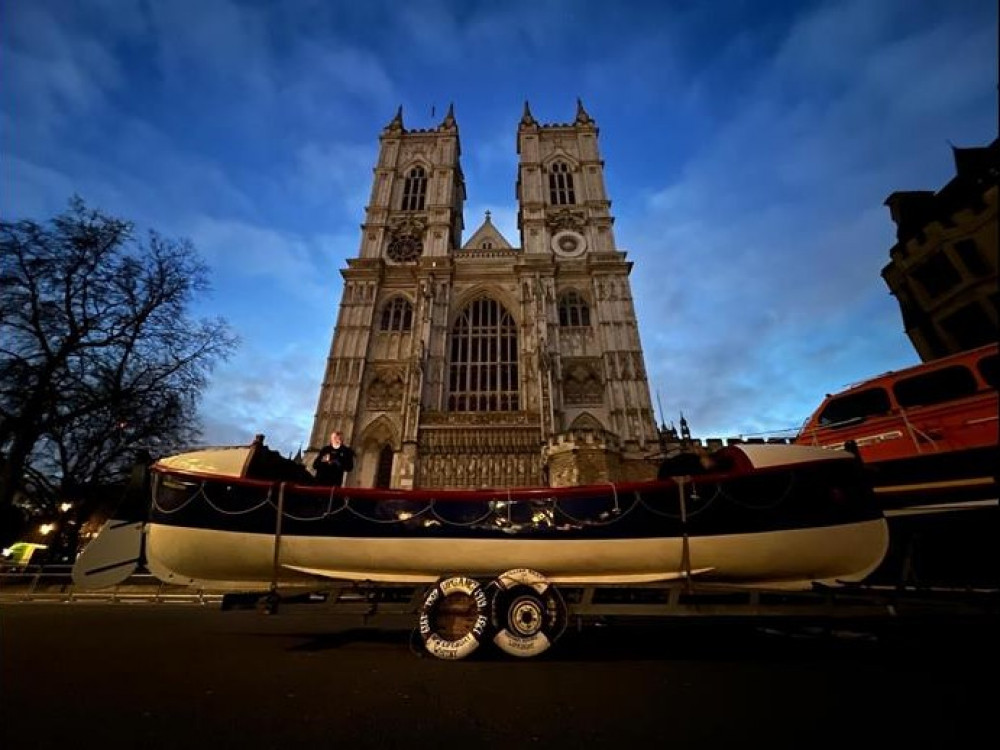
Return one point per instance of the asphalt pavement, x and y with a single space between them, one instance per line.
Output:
146 676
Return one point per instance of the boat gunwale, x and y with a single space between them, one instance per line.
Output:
741 467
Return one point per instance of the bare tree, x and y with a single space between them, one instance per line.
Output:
98 353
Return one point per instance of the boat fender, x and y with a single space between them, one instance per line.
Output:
528 613
447 609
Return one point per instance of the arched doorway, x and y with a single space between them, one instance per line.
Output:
383 469
376 452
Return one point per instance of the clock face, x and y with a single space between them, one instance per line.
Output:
569 244
405 249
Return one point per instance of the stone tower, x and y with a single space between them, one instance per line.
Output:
483 364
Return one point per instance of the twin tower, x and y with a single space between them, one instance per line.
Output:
483 364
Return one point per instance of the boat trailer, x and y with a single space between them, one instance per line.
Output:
527 615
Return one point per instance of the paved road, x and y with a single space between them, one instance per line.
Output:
187 676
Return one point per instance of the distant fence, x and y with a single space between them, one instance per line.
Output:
54 583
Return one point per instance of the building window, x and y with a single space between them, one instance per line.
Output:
415 190
971 258
483 368
574 312
397 315
937 275
970 326
561 185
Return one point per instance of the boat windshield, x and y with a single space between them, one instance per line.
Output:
935 387
988 370
855 407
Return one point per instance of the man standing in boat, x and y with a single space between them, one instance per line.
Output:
333 461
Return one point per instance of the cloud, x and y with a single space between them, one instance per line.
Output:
267 391
748 150
227 43
328 174
51 72
760 262
289 267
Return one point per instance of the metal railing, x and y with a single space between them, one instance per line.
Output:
54 583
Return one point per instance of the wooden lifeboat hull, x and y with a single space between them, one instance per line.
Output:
768 516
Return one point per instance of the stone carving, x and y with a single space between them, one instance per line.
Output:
432 418
408 226
582 382
586 422
385 391
477 457
566 219
411 149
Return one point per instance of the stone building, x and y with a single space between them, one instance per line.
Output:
943 267
484 364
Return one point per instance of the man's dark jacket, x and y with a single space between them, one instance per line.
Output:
332 473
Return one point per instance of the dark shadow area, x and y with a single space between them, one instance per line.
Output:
733 640
324 641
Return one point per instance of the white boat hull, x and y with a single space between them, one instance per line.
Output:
787 559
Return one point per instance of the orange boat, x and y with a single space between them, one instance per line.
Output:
928 434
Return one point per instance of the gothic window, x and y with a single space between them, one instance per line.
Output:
937 275
972 259
561 184
383 470
415 190
483 369
397 315
574 312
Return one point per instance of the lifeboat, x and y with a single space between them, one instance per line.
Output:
245 519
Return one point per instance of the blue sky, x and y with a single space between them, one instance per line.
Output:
748 148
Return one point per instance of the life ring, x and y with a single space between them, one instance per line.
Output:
527 613
454 617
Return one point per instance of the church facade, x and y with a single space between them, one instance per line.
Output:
481 364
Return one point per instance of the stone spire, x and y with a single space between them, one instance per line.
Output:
396 124
582 118
449 119
526 118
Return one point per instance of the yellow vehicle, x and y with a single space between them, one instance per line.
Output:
20 553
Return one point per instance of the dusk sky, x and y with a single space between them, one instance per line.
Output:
748 149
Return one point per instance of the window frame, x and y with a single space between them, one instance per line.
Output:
483 361
573 309
415 189
396 315
561 189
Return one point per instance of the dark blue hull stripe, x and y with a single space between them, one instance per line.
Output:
818 496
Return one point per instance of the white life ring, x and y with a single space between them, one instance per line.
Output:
459 592
527 612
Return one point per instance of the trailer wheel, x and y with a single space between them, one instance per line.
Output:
453 617
528 613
